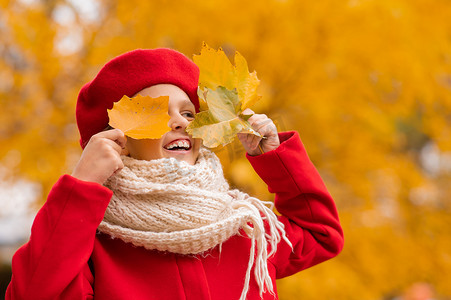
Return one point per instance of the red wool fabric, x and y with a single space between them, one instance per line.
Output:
66 259
128 74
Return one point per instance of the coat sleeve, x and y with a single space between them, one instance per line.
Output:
54 262
306 207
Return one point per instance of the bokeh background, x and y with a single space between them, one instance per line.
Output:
366 83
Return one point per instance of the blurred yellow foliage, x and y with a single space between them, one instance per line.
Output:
366 83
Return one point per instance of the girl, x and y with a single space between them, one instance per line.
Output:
155 219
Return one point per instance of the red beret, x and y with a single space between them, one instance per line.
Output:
128 74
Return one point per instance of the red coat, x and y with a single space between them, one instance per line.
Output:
66 259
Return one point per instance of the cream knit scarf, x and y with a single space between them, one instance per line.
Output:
169 205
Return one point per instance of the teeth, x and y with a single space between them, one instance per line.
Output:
180 144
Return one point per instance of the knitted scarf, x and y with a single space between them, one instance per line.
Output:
169 205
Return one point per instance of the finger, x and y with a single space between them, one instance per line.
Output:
264 126
113 144
112 134
242 136
115 135
122 141
255 120
245 139
248 111
254 141
249 139
119 167
259 118
266 129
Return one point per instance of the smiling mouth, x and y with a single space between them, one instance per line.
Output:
178 145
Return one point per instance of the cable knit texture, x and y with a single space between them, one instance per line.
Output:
169 205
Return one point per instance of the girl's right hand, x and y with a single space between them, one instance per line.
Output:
101 157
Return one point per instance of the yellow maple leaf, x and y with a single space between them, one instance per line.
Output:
141 117
222 121
216 70
225 91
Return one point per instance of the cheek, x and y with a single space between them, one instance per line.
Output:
196 148
145 149
154 145
197 145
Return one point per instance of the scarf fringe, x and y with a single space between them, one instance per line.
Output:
260 239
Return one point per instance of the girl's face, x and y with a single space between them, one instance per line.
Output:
175 143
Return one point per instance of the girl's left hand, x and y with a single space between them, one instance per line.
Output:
263 125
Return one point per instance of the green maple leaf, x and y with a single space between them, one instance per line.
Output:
219 124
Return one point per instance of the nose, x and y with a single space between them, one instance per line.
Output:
178 122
